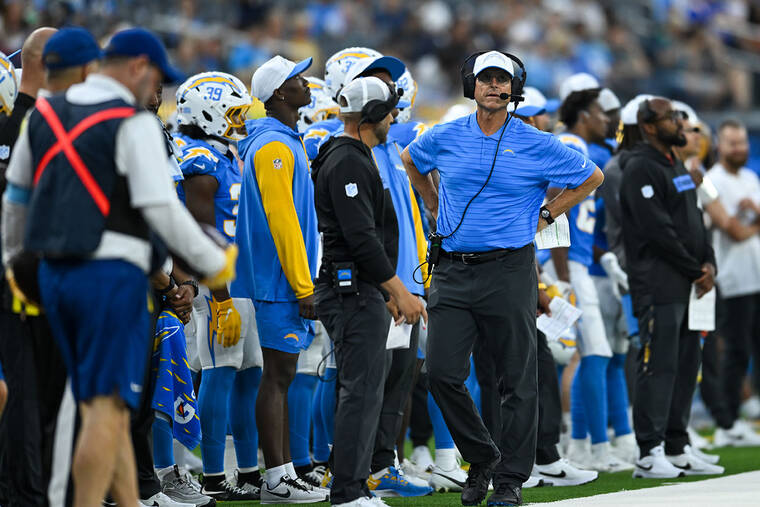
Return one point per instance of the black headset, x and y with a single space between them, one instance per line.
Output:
375 110
518 79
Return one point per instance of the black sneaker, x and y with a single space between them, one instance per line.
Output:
222 490
506 494
313 475
478 479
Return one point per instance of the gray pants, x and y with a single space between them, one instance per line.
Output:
358 326
493 303
666 378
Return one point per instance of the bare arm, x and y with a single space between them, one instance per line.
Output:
569 197
424 184
728 224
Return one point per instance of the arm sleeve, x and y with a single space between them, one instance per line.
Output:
613 228
16 198
10 126
644 192
198 161
565 166
274 163
355 215
419 234
423 151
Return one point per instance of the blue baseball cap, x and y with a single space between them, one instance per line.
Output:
139 41
552 105
70 47
15 58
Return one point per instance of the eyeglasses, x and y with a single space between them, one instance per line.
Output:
673 116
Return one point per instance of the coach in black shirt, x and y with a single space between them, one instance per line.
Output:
359 228
667 250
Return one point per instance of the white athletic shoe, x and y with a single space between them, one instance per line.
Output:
656 466
535 482
713 459
290 490
579 452
603 460
447 480
361 502
161 500
421 458
409 472
696 440
625 448
740 434
563 473
692 465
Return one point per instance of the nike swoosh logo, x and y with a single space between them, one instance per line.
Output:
584 164
561 475
280 495
201 166
645 468
687 467
461 484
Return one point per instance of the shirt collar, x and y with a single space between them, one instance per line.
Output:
109 84
475 128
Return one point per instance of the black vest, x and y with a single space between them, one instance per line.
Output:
64 219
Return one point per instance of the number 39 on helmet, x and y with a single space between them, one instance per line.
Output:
215 102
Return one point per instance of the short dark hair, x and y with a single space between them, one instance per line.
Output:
574 103
631 136
193 132
730 123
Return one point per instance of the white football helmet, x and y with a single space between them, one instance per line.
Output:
338 65
409 85
8 85
322 106
216 102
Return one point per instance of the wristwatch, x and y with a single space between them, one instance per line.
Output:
192 283
546 215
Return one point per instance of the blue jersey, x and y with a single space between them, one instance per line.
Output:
404 133
316 135
600 155
582 216
202 158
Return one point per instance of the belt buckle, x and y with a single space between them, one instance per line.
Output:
469 258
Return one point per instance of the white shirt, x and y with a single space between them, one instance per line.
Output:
141 158
738 261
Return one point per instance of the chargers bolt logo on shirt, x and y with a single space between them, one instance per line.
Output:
647 191
352 190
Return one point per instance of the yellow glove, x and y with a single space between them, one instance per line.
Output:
15 289
557 291
227 273
228 322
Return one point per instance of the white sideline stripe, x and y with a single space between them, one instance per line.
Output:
62 449
734 490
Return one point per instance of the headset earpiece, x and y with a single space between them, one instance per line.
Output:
375 110
647 114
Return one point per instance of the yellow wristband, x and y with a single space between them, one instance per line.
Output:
541 286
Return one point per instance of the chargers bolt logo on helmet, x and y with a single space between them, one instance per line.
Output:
8 85
340 63
215 102
406 83
322 106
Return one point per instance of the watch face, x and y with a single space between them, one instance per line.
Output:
545 213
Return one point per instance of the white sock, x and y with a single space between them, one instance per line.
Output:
247 470
163 472
273 475
291 470
446 459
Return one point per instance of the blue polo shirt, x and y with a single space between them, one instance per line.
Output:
505 214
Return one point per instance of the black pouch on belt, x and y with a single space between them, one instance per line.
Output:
344 277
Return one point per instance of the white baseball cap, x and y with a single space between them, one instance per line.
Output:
631 108
690 113
576 83
273 73
393 65
534 103
608 100
360 91
495 59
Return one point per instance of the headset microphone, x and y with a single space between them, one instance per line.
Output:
504 96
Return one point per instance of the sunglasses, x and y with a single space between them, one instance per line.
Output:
487 76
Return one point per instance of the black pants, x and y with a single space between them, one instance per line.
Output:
666 378
36 376
549 400
740 328
493 303
358 326
420 427
711 386
398 384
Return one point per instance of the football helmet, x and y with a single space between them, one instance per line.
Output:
216 102
8 85
322 106
340 63
409 85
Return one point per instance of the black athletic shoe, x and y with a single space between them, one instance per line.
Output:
221 490
478 478
506 494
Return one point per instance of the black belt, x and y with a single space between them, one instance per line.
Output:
476 257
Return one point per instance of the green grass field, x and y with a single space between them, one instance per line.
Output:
734 460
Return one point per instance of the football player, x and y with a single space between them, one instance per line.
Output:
211 110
